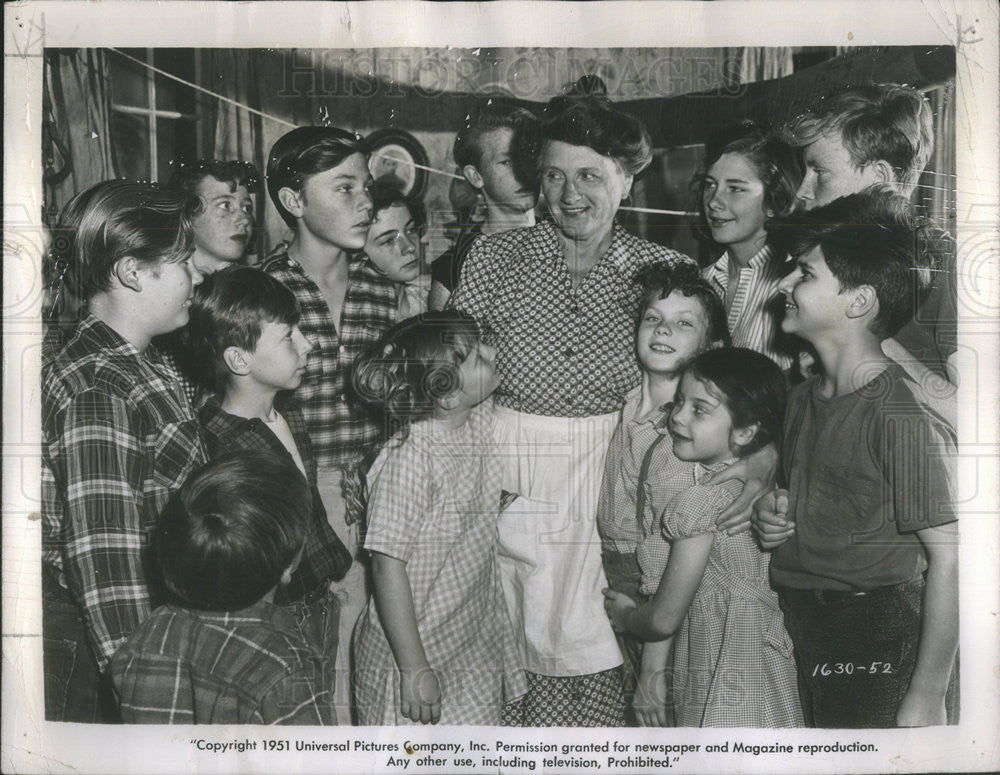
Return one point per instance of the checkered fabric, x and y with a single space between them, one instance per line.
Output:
203 667
324 556
118 437
733 664
561 351
434 503
341 431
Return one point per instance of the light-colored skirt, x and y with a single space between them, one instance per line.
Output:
550 552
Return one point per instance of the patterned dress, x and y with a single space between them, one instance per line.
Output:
434 503
733 664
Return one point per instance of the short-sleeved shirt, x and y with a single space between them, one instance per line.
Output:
341 430
252 666
324 556
118 437
434 504
561 351
447 268
865 471
752 306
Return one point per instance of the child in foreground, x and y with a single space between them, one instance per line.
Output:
733 663
436 643
220 652
870 498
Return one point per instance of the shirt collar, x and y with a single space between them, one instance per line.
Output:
701 472
106 337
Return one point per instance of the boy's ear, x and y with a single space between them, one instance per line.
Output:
864 301
740 437
236 361
471 174
291 200
127 272
884 172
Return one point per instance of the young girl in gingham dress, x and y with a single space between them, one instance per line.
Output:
733 664
436 643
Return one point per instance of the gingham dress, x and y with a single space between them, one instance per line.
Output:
733 664
434 504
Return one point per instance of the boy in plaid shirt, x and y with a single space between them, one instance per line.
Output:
245 325
219 652
118 436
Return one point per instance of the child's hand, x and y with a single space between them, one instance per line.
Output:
650 701
921 711
770 523
420 695
617 605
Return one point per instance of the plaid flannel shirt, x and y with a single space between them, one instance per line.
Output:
206 667
324 556
341 431
118 437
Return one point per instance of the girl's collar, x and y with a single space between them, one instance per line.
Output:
702 471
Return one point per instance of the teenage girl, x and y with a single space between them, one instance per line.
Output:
733 664
436 643
746 181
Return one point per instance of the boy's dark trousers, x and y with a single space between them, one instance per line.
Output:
75 689
855 653
625 576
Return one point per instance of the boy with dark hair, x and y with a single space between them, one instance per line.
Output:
482 152
245 325
118 436
219 652
869 575
882 134
318 178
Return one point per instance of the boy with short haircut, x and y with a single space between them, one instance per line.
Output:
870 488
220 652
245 324
482 152
118 436
680 316
883 134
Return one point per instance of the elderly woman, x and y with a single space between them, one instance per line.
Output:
558 301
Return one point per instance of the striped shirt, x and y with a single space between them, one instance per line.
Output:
205 667
118 437
561 351
754 305
341 431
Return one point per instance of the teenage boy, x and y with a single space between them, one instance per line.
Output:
246 324
219 652
680 317
118 436
318 178
883 134
868 579
482 152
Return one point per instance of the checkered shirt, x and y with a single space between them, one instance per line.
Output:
203 667
118 437
341 431
324 556
435 501
561 351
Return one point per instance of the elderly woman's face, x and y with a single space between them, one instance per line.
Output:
582 189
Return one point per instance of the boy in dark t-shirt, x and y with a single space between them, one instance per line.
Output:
868 577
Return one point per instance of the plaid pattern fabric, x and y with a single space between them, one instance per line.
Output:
118 437
561 351
753 305
202 667
324 556
341 431
733 664
435 499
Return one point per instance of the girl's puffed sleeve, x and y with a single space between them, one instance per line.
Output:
398 500
696 510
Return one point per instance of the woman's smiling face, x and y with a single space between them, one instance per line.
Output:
582 189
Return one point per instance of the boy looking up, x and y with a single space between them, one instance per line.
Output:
482 152
870 488
118 436
245 323
220 652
